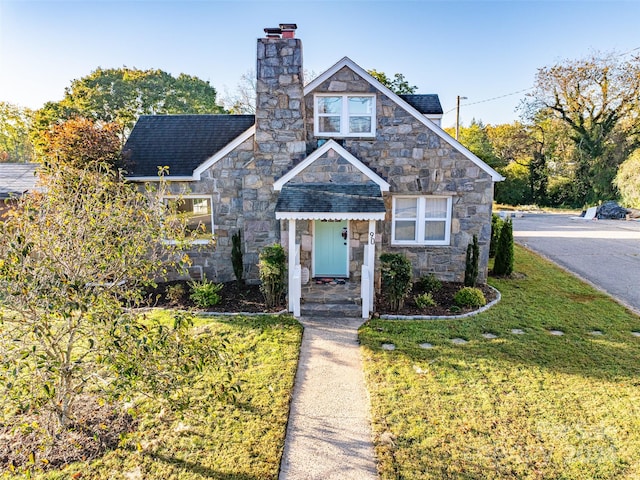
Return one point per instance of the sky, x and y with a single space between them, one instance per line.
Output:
487 51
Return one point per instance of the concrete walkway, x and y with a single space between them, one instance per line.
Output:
329 431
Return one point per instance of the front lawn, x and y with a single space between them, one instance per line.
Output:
527 405
241 438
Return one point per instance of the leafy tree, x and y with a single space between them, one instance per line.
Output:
598 99
15 144
81 142
628 180
73 260
398 84
476 138
121 95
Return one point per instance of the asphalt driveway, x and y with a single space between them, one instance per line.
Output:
605 253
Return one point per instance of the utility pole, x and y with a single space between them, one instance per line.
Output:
458 114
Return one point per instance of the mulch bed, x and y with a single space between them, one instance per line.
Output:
249 299
26 444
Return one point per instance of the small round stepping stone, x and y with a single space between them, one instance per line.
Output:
426 345
458 341
557 333
517 331
635 334
388 346
489 335
596 333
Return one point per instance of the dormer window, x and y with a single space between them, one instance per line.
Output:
345 115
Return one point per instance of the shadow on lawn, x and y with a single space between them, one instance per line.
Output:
199 469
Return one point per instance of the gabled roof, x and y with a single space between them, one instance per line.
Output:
17 178
181 142
347 62
427 104
340 150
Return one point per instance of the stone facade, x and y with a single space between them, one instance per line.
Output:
405 152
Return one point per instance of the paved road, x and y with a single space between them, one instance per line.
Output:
606 253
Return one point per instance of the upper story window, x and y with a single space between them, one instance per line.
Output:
421 220
345 115
197 213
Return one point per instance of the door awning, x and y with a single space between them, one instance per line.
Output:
320 201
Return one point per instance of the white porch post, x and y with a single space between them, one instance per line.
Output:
371 259
292 263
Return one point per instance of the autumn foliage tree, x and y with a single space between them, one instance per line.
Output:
79 141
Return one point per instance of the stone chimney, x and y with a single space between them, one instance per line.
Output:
280 135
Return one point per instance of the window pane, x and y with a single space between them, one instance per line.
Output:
434 230
329 124
195 212
436 208
406 208
329 105
359 124
405 230
360 105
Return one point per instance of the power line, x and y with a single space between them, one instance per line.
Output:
490 99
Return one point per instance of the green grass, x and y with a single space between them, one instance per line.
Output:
532 406
239 439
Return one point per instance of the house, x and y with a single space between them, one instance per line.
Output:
15 180
337 170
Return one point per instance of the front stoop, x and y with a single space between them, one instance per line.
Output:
331 300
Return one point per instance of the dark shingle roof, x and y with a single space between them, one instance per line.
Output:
427 104
330 198
182 142
17 178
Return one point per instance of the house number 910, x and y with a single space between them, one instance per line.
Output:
372 238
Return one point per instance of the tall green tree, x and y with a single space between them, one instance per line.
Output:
628 180
398 84
15 144
598 99
476 138
121 95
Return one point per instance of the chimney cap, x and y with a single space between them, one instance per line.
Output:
273 31
288 26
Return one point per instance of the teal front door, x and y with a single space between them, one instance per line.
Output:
331 249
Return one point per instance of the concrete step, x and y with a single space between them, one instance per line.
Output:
337 310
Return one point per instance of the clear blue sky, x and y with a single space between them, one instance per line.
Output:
477 49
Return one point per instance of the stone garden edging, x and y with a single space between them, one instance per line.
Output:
446 317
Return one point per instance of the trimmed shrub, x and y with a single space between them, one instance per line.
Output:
429 283
425 301
503 264
272 265
396 278
471 265
470 297
205 293
496 225
236 256
175 293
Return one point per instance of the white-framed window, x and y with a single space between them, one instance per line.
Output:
197 213
352 115
424 220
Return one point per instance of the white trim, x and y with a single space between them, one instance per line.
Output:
347 62
344 116
329 216
420 221
225 151
198 241
159 178
331 145
197 173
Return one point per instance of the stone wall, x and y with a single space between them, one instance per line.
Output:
414 160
